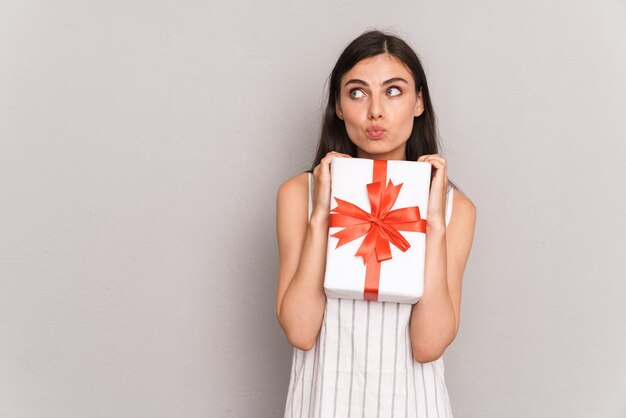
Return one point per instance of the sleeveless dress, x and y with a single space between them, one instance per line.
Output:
361 364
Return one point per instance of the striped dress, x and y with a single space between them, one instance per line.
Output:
361 364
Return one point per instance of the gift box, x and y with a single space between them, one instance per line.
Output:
377 230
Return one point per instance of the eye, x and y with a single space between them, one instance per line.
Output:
355 93
396 89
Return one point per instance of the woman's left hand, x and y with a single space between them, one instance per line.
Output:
438 189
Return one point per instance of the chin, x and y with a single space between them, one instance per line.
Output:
375 151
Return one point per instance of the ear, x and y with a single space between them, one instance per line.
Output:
419 105
338 110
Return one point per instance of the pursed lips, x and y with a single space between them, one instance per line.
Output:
375 132
375 128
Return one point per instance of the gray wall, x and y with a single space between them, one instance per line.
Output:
141 146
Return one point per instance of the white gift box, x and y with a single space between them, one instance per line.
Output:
401 278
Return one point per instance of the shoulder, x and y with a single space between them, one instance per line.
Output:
297 185
463 217
462 205
291 217
294 184
293 195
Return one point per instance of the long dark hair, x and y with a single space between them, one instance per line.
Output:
333 137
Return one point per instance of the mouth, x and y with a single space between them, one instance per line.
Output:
375 132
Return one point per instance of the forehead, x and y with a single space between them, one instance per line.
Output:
377 69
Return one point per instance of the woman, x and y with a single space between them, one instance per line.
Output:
357 357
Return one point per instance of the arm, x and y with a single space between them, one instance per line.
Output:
435 318
302 251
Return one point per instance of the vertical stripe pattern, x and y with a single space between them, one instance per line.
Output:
351 361
337 368
362 365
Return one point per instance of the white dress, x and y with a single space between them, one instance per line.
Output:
361 364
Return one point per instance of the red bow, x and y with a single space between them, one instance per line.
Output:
380 227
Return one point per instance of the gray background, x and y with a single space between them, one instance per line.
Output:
141 146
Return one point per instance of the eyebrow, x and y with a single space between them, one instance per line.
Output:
384 83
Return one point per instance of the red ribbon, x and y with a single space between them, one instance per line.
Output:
380 227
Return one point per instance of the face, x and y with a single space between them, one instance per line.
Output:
377 102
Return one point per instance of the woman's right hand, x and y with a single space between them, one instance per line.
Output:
321 179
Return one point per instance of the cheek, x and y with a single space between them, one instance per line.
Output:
409 111
353 130
351 113
405 122
353 121
404 109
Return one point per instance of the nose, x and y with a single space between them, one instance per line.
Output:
375 110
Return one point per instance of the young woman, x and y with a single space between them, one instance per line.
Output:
357 357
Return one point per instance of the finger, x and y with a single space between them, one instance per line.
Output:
338 154
439 161
436 161
330 154
327 159
435 157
